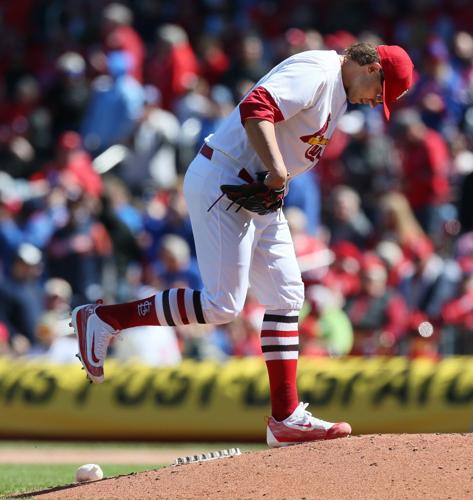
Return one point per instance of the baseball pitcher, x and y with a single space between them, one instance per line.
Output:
234 189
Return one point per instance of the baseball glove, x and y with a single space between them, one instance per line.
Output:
255 196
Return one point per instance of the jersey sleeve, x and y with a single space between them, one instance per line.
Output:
296 86
259 104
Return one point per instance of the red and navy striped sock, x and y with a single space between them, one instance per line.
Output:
280 346
177 306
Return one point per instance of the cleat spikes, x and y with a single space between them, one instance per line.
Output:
203 457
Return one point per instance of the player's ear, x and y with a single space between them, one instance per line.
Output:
374 67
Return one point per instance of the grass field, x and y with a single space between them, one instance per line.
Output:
24 477
19 478
113 445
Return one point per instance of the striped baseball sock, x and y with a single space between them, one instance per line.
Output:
280 346
177 306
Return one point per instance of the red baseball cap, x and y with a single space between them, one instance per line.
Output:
398 74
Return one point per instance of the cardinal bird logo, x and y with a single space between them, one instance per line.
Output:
316 141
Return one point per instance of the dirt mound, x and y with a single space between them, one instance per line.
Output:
361 467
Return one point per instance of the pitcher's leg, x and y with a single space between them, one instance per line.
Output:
276 281
176 306
223 240
280 346
224 244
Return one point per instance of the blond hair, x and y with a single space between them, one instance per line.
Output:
406 226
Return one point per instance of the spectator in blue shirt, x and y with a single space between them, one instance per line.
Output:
304 193
115 106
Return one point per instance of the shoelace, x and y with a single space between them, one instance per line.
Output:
309 418
307 414
102 342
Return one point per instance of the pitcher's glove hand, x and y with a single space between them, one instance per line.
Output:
255 197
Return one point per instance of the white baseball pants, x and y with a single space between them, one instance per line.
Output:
238 250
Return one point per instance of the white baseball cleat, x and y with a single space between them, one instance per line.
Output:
94 336
302 427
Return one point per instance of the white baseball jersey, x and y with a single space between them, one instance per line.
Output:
308 90
304 97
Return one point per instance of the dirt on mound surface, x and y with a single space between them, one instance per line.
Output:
361 467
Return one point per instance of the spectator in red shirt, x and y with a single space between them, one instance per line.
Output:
425 162
73 166
344 272
174 64
118 34
214 62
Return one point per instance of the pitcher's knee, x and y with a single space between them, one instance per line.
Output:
220 312
299 293
291 296
219 315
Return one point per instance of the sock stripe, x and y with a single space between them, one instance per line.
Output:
175 314
181 305
158 321
188 295
280 340
167 308
279 333
283 327
198 307
277 318
158 303
280 348
277 357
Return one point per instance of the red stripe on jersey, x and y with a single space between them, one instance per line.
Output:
259 104
279 333
181 305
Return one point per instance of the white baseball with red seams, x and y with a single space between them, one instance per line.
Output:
89 472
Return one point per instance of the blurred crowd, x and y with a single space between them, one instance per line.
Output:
102 107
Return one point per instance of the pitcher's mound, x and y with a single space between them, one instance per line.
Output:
361 467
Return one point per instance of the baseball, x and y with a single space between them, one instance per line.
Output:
89 472
425 329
